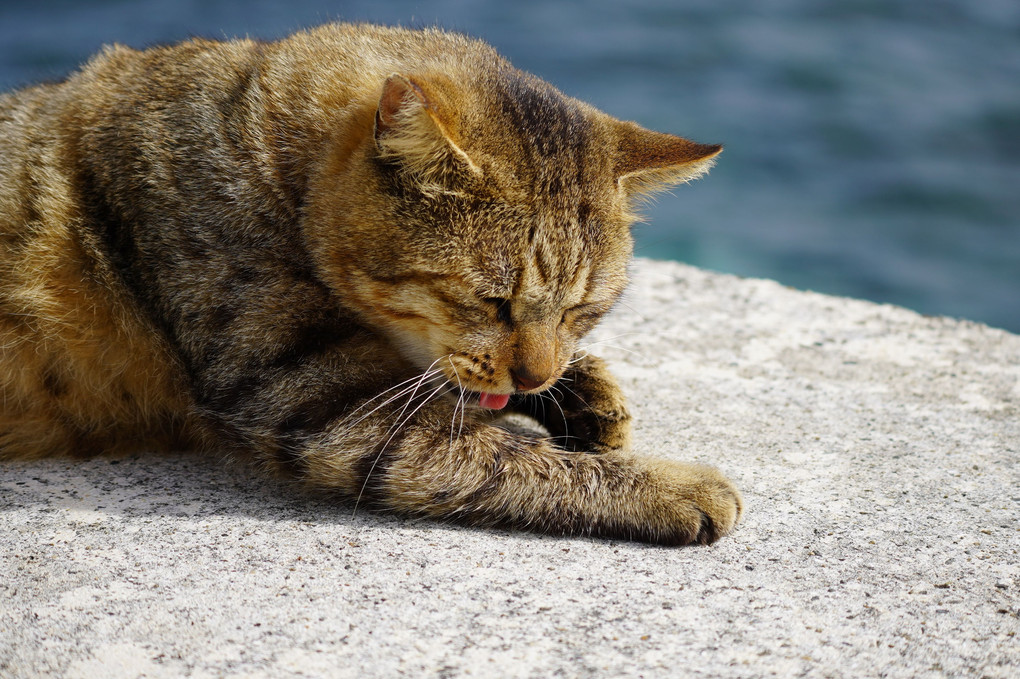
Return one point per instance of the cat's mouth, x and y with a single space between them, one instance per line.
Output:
483 399
493 401
467 371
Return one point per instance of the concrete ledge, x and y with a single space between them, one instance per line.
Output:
878 451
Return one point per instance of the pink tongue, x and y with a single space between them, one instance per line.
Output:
494 401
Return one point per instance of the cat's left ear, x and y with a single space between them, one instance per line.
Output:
414 127
649 161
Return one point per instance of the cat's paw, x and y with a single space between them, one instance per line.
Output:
592 412
691 504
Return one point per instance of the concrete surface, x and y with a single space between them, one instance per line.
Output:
877 451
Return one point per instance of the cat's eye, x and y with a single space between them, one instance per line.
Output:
502 308
581 312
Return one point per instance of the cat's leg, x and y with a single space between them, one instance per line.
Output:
585 410
337 407
431 464
409 447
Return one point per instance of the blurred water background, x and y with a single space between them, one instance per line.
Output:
872 146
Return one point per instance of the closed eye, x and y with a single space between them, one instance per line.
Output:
581 312
503 309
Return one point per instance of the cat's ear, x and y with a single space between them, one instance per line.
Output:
413 129
649 161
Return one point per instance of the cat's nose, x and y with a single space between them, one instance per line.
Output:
525 380
534 361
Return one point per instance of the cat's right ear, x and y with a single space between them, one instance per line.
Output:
649 161
413 130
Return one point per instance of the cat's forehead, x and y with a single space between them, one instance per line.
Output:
550 220
550 123
539 142
546 260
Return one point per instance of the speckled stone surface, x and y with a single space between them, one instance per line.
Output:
878 452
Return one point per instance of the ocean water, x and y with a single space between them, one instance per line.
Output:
872 146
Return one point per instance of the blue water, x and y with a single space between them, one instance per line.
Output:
873 146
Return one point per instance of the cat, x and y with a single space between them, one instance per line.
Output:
343 254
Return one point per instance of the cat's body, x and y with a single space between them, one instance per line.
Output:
338 253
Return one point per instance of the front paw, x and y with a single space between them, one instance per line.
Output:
590 412
691 503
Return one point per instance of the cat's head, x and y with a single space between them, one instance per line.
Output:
485 227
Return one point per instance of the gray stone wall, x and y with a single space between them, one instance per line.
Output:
878 452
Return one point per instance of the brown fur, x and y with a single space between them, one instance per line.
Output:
319 251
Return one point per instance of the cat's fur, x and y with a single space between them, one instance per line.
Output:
329 252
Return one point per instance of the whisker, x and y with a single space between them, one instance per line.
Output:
417 386
563 415
395 428
617 336
349 426
429 373
411 414
604 342
578 357
619 348
577 396
624 303
392 430
459 404
463 407
391 399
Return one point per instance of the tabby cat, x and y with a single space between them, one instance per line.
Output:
343 253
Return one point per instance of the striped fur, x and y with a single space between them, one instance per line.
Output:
326 253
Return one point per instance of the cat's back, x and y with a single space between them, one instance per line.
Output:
79 367
82 366
379 49
335 65
26 132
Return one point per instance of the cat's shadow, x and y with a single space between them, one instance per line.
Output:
185 485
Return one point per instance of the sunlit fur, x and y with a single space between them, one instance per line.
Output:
320 252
